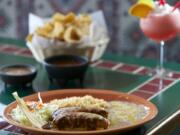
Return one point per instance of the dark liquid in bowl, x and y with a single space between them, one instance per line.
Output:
17 71
66 62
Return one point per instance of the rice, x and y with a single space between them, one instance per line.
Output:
85 101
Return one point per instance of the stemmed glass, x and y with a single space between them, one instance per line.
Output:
160 28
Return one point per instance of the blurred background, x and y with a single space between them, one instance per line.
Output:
126 36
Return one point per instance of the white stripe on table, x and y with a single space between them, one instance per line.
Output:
117 66
138 70
96 63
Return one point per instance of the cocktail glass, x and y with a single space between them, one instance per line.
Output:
160 28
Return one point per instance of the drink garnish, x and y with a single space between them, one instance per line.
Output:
162 2
176 6
142 8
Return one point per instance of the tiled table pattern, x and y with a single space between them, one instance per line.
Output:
146 90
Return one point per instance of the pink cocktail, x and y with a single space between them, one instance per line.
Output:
160 25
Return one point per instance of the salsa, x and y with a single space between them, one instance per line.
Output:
17 70
66 62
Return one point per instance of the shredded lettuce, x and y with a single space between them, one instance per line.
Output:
33 119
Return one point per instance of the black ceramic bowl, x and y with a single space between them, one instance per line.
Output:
66 67
17 74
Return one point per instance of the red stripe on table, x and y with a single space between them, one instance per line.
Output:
16 130
3 124
10 128
106 64
2 47
145 71
142 94
164 81
10 49
25 52
176 75
151 88
128 68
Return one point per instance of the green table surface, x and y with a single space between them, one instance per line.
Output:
105 76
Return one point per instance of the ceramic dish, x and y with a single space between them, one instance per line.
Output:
107 95
66 67
18 74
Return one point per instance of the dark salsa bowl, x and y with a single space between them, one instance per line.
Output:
66 67
18 74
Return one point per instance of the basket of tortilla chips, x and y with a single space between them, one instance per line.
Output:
83 35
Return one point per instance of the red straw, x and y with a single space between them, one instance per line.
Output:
162 2
176 6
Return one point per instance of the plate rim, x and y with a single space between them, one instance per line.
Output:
152 114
